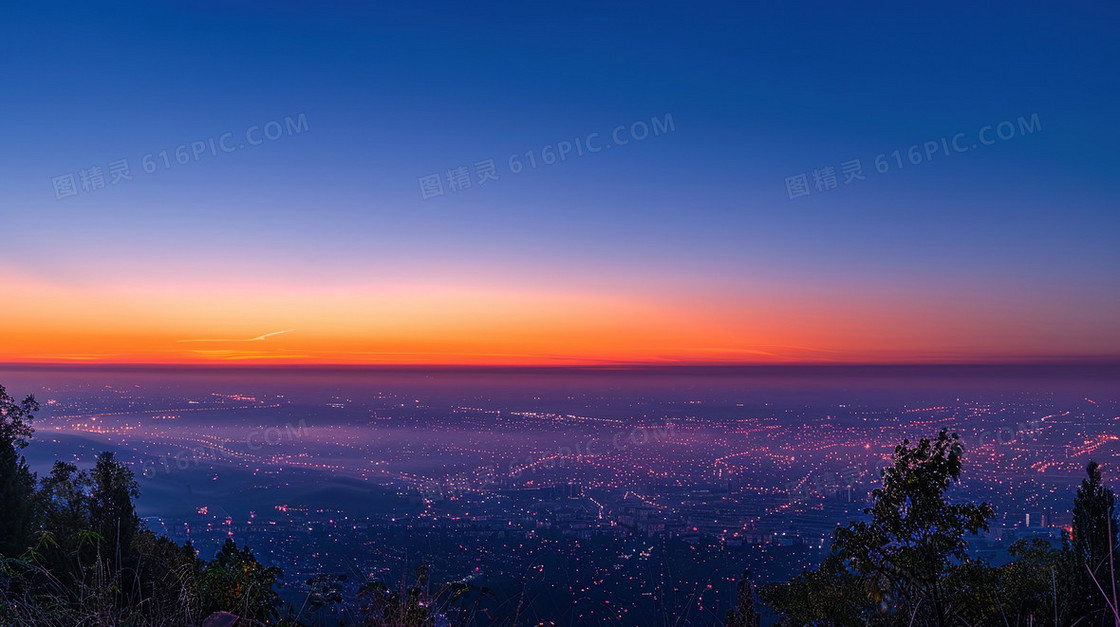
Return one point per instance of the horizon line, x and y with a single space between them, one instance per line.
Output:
636 367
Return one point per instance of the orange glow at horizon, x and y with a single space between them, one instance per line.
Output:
481 325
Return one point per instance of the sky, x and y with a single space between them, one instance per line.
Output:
347 183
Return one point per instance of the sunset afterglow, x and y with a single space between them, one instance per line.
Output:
604 196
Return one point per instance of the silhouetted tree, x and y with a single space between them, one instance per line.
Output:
64 513
1094 547
828 595
915 535
17 483
112 514
743 615
1035 587
971 596
236 582
899 563
168 575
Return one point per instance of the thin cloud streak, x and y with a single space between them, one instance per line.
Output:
259 338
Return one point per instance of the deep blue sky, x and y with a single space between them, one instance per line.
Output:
757 94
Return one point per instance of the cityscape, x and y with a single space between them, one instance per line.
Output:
581 497
375 314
